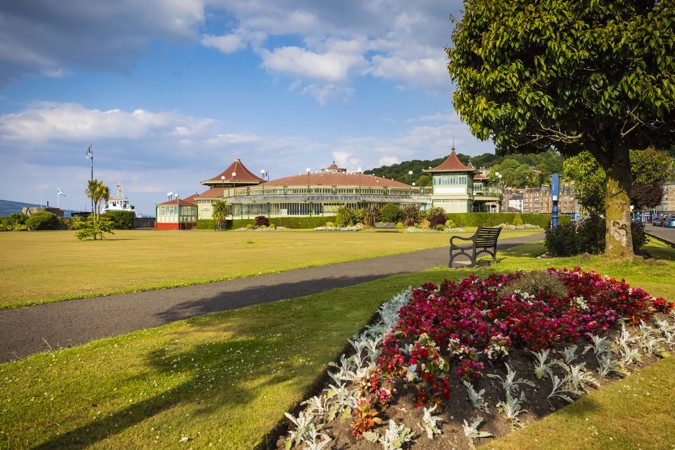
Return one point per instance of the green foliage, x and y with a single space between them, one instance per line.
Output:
587 237
517 220
435 211
220 211
562 241
345 217
99 193
572 76
13 222
207 224
44 220
650 169
369 215
515 168
122 220
93 228
390 212
494 219
411 214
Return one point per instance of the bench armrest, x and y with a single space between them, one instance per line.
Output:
469 239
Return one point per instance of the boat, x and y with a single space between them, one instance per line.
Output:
119 202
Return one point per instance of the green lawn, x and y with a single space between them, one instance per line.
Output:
225 380
40 267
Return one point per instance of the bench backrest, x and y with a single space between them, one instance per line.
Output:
486 237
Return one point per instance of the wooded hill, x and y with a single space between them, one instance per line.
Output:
517 170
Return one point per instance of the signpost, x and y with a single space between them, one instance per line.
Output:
555 183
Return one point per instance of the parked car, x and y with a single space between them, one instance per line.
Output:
658 221
669 221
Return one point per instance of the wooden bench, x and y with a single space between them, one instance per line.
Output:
483 241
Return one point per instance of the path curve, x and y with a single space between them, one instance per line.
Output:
24 331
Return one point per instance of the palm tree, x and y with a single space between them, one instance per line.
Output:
220 211
98 192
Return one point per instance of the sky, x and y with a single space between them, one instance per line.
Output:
169 92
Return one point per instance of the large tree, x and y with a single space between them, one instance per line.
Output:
572 75
650 170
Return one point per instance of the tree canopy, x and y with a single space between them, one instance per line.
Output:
570 75
534 169
650 169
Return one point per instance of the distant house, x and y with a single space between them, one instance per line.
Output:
459 189
176 214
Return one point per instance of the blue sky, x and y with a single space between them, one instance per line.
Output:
169 92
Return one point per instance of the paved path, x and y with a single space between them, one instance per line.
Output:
25 331
665 234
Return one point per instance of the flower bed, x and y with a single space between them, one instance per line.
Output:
450 342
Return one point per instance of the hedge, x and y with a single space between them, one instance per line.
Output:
122 220
287 222
494 219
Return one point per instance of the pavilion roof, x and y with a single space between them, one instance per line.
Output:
452 164
226 177
336 179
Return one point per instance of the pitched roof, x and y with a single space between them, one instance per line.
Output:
335 179
235 174
180 202
452 164
213 193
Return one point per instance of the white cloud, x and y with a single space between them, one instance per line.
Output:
227 44
45 121
329 66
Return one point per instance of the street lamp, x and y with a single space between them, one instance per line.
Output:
360 171
308 170
222 180
265 176
499 187
90 155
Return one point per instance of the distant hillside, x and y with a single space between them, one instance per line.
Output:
518 170
8 207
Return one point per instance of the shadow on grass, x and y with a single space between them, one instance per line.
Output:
213 385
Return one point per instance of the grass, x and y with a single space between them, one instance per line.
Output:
636 412
41 267
225 380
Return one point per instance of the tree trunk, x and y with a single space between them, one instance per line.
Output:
618 238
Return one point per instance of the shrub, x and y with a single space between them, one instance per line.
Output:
390 212
370 215
262 221
93 229
345 216
15 222
517 220
639 236
587 237
562 241
44 220
591 235
411 214
435 211
535 283
122 220
436 220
